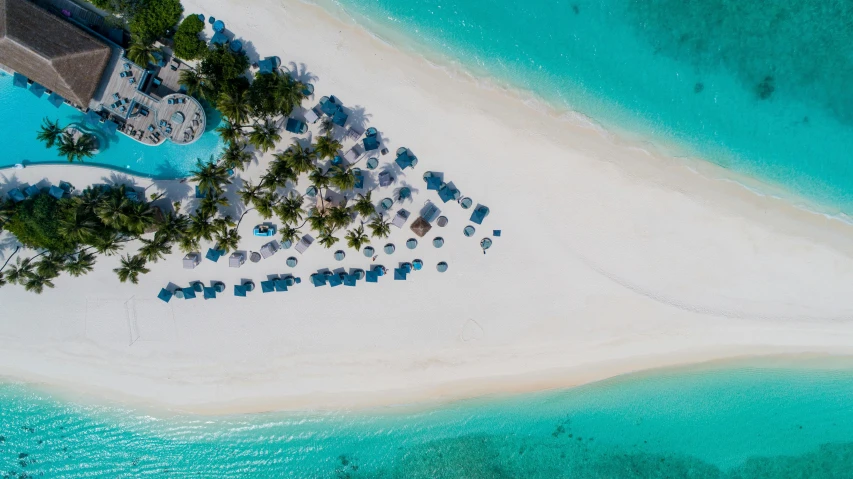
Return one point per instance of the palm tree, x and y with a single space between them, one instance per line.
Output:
50 265
77 149
234 105
264 135
141 52
189 244
201 226
289 210
327 147
76 225
195 83
327 126
356 238
228 240
250 193
211 178
154 249
82 264
327 239
220 225
277 176
264 205
343 178
379 228
20 271
130 269
50 132
318 220
113 210
36 284
2 279
108 245
319 178
300 159
339 217
139 217
287 94
210 204
230 132
173 227
364 205
235 156
289 233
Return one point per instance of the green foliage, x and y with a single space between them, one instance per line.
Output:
274 94
50 132
221 71
154 18
35 224
187 43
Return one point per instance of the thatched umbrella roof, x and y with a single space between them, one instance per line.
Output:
421 226
51 51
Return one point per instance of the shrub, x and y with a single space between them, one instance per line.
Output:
154 17
34 223
188 45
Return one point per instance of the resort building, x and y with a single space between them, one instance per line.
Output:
47 51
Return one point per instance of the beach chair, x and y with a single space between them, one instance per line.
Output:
16 195
295 126
304 243
479 214
385 179
353 154
236 260
269 249
400 218
430 212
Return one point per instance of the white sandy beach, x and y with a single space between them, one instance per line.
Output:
611 260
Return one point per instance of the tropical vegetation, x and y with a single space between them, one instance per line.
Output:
188 45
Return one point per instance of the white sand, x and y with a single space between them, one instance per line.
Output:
611 260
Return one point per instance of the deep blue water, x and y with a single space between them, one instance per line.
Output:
761 88
740 422
22 113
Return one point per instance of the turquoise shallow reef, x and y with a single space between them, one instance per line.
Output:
761 88
734 422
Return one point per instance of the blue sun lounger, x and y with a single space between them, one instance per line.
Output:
165 295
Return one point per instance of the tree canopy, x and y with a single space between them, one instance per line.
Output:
153 18
188 45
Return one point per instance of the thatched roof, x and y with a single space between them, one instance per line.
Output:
421 226
51 50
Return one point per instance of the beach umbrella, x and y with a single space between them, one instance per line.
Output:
219 287
280 285
334 280
198 287
249 285
267 286
189 293
209 293
438 242
389 248
239 290
371 276
399 274
358 273
55 100
318 279
466 202
441 267
421 227
411 243
417 264
165 295
179 293
368 251
468 231
291 261
286 244
433 183
442 221
479 214
350 280
340 255
486 243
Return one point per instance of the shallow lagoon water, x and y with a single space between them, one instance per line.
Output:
735 421
22 113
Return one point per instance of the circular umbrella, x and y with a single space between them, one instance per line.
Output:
255 257
250 285
368 251
469 230
219 287
198 287
405 192
286 244
387 203
486 243
218 26
372 131
212 20
289 281
359 273
441 267
179 294
292 261
438 242
401 150
466 202
442 221
411 243
427 175
389 248
372 163
311 191
417 264
339 255
327 273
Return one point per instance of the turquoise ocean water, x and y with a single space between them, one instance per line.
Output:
739 422
761 88
118 152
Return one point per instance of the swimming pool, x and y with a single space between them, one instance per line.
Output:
22 113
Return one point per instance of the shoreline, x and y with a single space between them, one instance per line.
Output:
615 260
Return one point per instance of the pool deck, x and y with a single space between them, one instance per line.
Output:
148 105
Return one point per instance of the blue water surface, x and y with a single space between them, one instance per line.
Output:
22 113
737 422
761 88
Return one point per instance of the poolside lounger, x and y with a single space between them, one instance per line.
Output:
400 218
354 132
353 154
269 249
312 115
304 243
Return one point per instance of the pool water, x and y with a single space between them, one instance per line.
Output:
23 112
